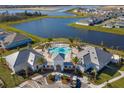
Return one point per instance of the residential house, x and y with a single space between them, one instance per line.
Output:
121 18
119 25
109 25
84 22
9 40
94 58
23 60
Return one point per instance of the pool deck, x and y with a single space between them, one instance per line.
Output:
49 57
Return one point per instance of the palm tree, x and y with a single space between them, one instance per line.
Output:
94 74
47 45
1 57
50 39
71 40
75 60
1 54
41 61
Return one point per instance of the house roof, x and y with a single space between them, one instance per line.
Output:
103 57
59 59
120 23
59 56
22 58
11 59
95 56
87 58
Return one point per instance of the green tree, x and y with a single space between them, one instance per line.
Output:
40 60
71 40
75 60
94 73
1 55
50 39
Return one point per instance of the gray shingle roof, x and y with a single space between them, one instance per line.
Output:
103 57
95 57
23 56
87 58
60 56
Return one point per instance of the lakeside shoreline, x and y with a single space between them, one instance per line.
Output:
38 18
7 26
116 31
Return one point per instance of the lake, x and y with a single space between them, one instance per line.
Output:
58 28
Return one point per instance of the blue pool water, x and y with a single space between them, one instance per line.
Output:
63 50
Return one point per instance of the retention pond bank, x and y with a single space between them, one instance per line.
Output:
58 28
118 31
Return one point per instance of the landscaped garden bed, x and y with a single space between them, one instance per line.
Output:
50 79
65 79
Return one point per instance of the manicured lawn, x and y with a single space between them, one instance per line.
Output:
117 84
122 68
5 75
106 74
118 67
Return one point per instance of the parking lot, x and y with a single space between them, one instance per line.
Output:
40 82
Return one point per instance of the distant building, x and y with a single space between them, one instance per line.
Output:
84 22
9 40
121 18
109 25
114 25
119 25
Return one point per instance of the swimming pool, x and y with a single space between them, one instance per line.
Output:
63 50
